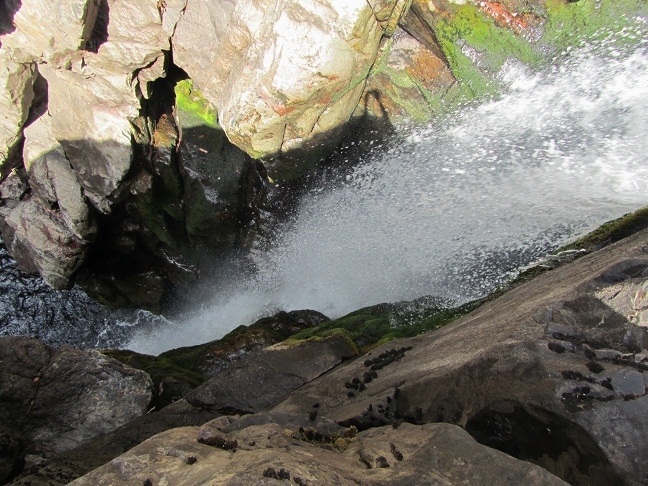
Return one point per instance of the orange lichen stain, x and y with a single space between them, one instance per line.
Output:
277 106
325 100
430 70
281 109
503 17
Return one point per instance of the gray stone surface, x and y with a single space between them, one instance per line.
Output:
56 399
263 379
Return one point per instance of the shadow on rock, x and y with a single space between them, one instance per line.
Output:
8 9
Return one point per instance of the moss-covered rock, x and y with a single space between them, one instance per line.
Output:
171 381
468 43
408 82
371 326
177 371
191 101
223 185
570 24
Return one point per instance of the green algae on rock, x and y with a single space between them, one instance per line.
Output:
191 100
570 24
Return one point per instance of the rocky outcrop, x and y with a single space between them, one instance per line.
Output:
553 372
52 400
67 466
265 449
273 91
213 357
179 370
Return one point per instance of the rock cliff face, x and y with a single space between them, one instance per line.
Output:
137 138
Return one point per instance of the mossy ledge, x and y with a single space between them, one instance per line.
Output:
191 100
372 326
604 235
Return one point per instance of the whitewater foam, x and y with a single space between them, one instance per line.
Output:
454 210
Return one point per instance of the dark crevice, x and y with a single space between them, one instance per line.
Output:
416 25
100 31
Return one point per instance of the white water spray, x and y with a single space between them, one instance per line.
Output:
454 210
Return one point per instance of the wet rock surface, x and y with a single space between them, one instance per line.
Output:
180 370
214 357
30 307
263 379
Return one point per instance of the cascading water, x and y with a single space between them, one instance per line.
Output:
454 209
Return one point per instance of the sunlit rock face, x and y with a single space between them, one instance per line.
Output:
68 25
281 74
74 86
16 95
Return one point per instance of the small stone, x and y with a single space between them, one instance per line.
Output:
595 367
607 354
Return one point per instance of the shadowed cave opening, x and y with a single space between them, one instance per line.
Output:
546 439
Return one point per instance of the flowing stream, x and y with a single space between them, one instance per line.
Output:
456 208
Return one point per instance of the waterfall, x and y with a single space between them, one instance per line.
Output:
455 208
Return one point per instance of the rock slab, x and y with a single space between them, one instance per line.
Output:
263 379
267 451
56 399
553 372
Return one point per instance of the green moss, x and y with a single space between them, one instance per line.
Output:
570 24
158 367
375 325
325 334
476 48
469 30
611 232
191 100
